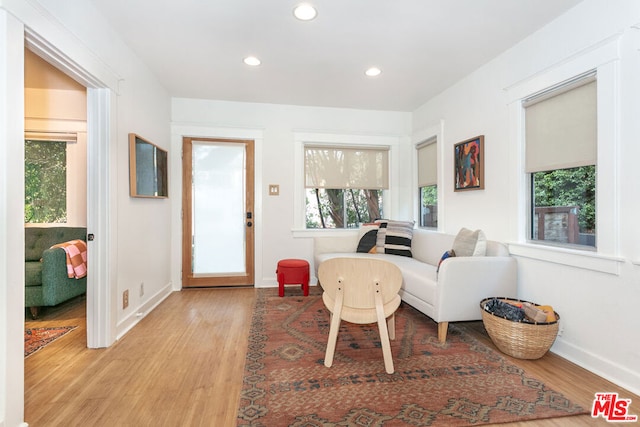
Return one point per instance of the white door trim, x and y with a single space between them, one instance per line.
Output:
100 193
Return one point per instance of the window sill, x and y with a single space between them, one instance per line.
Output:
323 232
570 257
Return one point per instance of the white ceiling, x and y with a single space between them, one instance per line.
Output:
196 47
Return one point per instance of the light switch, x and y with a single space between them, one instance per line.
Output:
274 190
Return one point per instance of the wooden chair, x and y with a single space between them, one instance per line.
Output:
362 291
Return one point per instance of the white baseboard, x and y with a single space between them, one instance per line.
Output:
136 315
619 375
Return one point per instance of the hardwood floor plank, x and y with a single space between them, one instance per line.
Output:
182 365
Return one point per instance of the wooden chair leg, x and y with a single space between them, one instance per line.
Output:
391 325
384 335
333 330
34 312
442 331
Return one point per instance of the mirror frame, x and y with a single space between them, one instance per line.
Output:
148 175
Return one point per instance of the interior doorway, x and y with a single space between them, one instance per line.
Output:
218 212
55 133
99 216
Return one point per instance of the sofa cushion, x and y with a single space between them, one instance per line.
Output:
37 239
428 246
470 243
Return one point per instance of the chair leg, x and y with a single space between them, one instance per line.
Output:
34 312
384 335
333 330
391 326
442 331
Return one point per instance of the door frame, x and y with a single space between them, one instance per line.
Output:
101 215
188 279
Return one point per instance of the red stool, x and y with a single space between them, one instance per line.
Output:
293 272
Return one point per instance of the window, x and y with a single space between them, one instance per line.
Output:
344 185
561 143
45 182
428 183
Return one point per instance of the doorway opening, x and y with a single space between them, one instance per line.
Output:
97 164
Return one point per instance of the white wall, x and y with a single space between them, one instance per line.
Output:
140 240
598 309
276 126
11 224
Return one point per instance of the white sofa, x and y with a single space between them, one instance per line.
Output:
449 295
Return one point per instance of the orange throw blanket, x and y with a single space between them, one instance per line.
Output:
76 251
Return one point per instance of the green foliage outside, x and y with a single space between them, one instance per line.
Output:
429 195
342 208
569 187
45 182
429 206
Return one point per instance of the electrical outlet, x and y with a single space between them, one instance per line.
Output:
125 299
141 289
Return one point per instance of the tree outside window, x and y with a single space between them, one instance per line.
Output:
429 206
564 202
45 182
342 208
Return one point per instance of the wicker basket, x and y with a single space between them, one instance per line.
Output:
519 339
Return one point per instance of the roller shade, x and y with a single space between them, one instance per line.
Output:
561 127
427 164
51 136
346 167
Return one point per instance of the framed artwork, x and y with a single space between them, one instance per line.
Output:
468 164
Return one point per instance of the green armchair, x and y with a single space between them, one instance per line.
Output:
46 280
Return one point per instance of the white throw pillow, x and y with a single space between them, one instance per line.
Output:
470 243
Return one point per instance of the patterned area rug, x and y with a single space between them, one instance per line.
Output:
37 338
459 383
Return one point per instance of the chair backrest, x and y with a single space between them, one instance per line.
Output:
358 278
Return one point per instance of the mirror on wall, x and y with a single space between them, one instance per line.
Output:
147 169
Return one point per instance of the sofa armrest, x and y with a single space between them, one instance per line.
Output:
56 284
54 262
465 281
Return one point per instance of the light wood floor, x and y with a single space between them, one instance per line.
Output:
182 365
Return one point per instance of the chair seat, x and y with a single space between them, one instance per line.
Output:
362 316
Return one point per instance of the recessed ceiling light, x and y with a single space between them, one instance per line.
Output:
305 12
252 60
373 72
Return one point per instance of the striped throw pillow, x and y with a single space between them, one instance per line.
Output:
398 235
